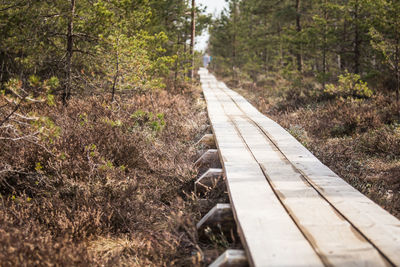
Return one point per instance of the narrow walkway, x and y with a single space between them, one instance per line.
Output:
290 209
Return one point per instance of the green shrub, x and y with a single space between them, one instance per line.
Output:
349 85
155 122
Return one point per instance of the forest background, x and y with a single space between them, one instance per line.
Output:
326 70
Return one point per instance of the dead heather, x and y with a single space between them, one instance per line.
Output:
101 184
357 138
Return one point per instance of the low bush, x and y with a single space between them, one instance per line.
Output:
349 85
96 183
381 142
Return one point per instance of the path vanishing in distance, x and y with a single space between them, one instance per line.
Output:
290 209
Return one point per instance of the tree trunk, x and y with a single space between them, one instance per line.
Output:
265 47
185 45
397 58
192 37
116 72
342 56
281 53
234 37
70 44
2 58
324 46
176 65
298 30
357 40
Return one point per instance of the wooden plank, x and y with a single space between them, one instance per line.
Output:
230 145
231 258
336 241
332 236
269 234
378 226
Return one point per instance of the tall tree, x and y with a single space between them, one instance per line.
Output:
298 30
193 36
386 38
70 51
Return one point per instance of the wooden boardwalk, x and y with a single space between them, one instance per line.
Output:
290 209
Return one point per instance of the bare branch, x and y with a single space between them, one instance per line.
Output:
20 3
20 138
12 112
27 118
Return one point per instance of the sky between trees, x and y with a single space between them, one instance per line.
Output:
214 7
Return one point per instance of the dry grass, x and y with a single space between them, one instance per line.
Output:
110 185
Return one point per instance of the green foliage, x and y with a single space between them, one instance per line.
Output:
349 85
38 166
34 81
45 127
112 123
155 122
117 46
83 119
16 99
253 39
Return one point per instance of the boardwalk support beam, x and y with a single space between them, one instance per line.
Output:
207 180
207 140
210 157
218 218
231 258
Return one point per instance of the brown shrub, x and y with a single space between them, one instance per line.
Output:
341 117
383 142
106 177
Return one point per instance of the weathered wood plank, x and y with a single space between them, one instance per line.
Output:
231 258
268 233
270 236
334 238
378 226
